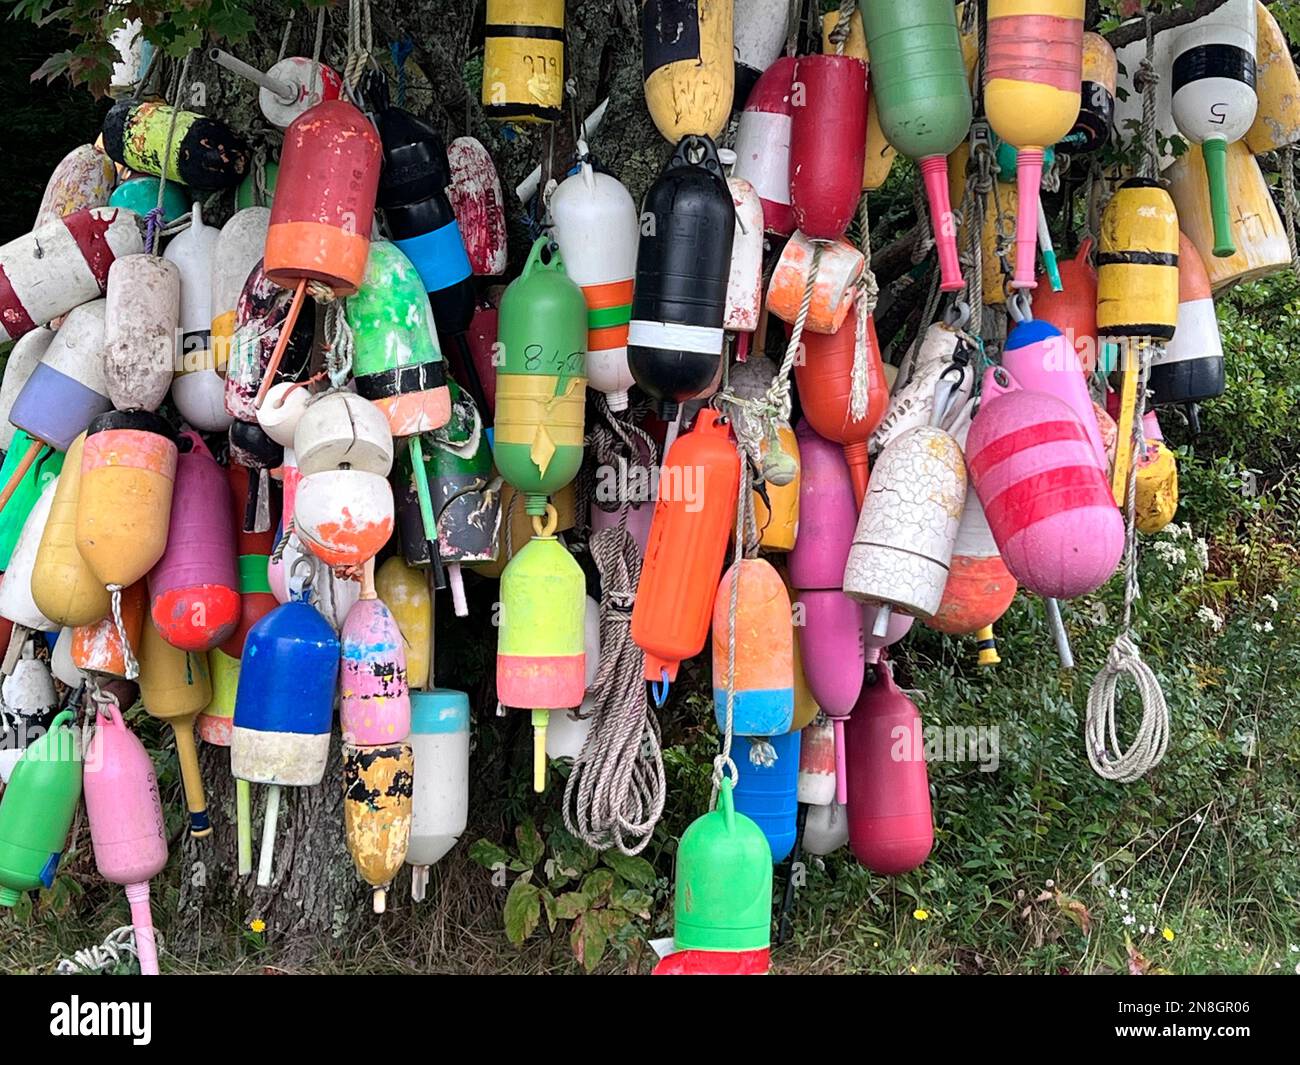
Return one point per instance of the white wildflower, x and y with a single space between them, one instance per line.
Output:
1271 601
1202 552
1262 626
1129 918
1123 893
1207 616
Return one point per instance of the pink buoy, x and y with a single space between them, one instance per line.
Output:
829 625
375 704
1043 489
127 832
194 587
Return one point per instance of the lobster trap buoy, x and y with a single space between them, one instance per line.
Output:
197 388
252 550
440 796
105 648
237 251
85 177
758 34
477 202
1137 263
523 60
767 789
141 318
377 812
828 143
1189 369
1096 116
762 682
683 262
404 590
763 144
687 58
374 696
815 784
30 705
63 586
891 826
154 138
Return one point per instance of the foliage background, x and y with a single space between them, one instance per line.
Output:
1038 867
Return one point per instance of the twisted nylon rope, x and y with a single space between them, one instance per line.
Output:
615 794
843 25
117 945
153 220
360 42
1289 203
1107 756
864 305
1145 81
128 657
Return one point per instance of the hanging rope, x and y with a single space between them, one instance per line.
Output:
360 43
1290 206
1108 757
339 343
843 25
118 945
615 794
154 219
128 657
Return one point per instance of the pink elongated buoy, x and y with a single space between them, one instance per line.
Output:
127 831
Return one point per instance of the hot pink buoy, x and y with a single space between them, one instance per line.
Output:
194 587
830 631
127 831
376 703
1043 489
1041 359
891 827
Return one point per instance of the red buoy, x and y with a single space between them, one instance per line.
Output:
828 142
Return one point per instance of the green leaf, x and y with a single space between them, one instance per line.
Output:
570 905
573 857
488 854
588 940
598 886
635 902
548 907
523 910
529 841
632 868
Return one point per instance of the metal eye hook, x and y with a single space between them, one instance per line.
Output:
957 314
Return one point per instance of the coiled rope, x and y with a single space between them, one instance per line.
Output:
118 945
1107 756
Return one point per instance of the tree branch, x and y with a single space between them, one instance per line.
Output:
1135 29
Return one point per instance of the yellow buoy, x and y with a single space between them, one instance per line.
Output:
405 591
64 588
687 59
1137 263
523 60
1277 85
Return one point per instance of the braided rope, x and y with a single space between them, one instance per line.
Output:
843 25
118 945
615 793
132 667
153 220
1290 206
1145 81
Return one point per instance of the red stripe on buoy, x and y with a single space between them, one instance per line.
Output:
13 315
1038 497
1004 447
1041 49
90 231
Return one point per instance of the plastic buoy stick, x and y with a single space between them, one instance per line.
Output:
1124 427
1048 251
1029 175
934 172
285 92
419 882
841 764
33 452
146 944
1215 152
244 825
188 755
1058 632
286 331
269 820
540 720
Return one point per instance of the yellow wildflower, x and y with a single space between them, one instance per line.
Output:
921 915
257 925
1168 933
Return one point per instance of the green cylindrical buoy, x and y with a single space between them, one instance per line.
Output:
140 194
37 808
247 195
541 378
723 895
41 472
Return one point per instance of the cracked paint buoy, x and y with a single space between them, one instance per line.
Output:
377 789
693 520
682 266
204 154
763 145
903 544
1032 81
745 280
64 588
62 265
440 795
194 586
284 713
127 831
891 826
597 227
320 226
763 678
175 687
197 388
412 194
36 810
1044 491
541 652
84 178
830 631
927 363
374 698
541 391
688 62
